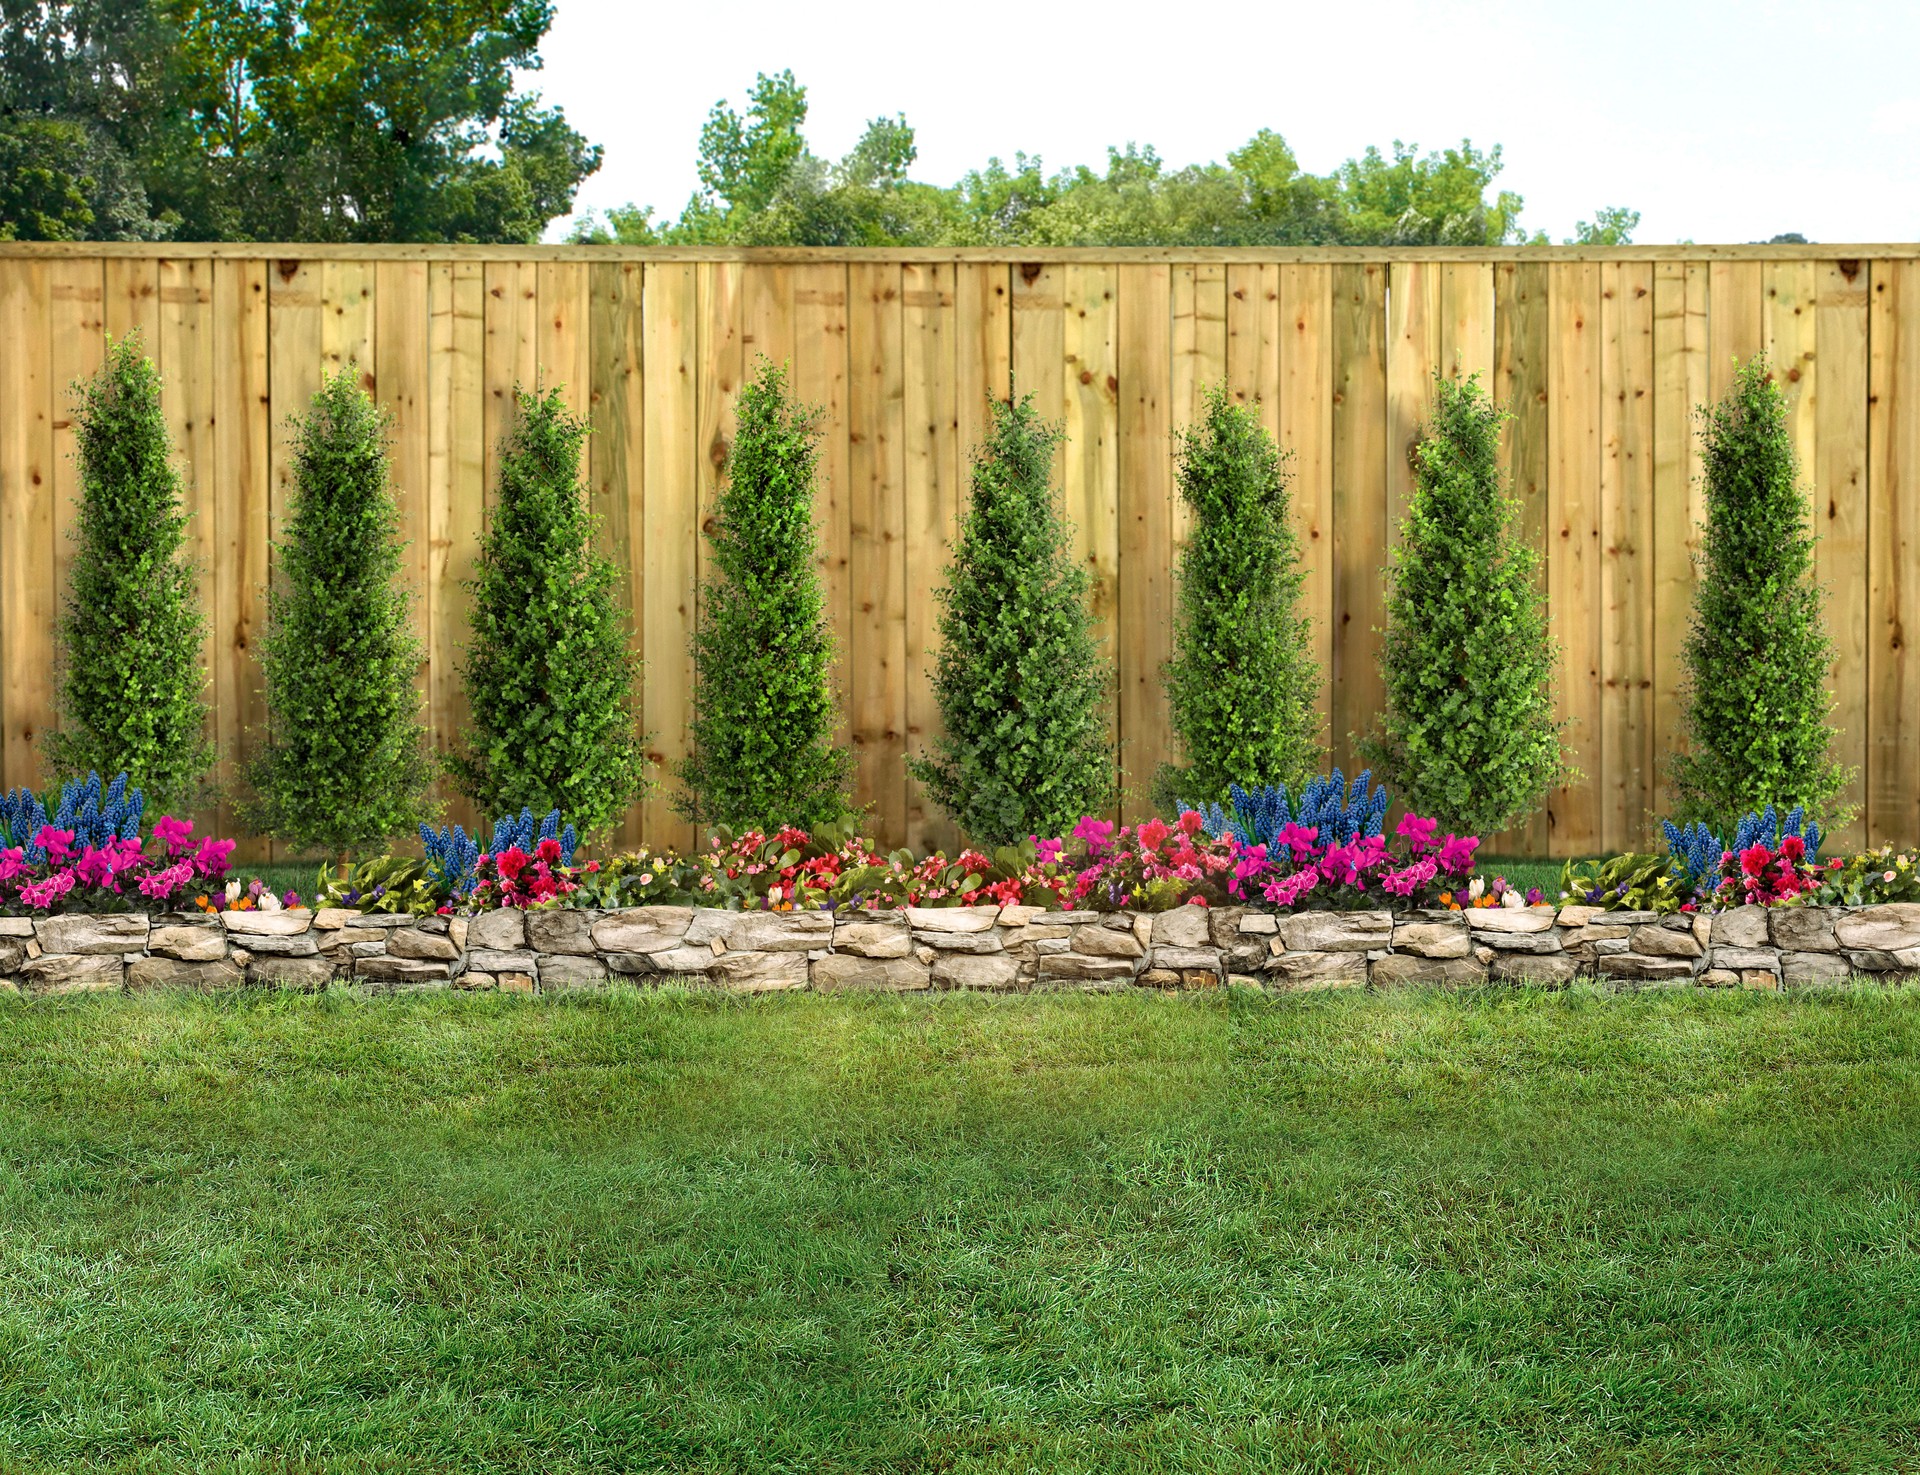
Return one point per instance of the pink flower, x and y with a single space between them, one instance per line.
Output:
12 863
42 894
1095 834
57 843
162 884
1152 834
1792 847
1192 821
211 858
1417 832
1456 854
171 832
1300 840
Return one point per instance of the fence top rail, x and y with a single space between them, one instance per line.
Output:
1010 255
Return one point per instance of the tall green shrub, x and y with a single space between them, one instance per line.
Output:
548 673
1243 686
1757 654
1022 686
764 710
344 761
132 694
1468 736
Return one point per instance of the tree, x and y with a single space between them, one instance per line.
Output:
1022 687
325 120
1243 686
1468 735
764 711
132 694
1612 225
344 760
1757 653
548 674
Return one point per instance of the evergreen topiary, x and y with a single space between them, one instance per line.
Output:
1243 686
1468 736
548 675
343 762
1020 680
132 692
1757 654
764 711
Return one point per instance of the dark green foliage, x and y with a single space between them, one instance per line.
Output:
1243 685
343 762
1468 736
1757 655
1022 686
549 676
764 712
132 694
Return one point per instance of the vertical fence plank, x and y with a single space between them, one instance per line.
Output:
1415 310
669 523
1791 338
1467 320
1893 514
348 316
877 573
1680 365
1735 320
510 362
820 378
1839 475
1522 333
1146 522
1573 524
1360 502
27 593
1304 425
563 344
401 352
187 354
1039 344
767 315
133 298
983 350
457 490
615 454
1090 455
1199 361
242 494
1626 553
929 412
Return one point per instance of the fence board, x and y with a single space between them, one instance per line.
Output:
1839 477
1600 356
931 470
1360 503
1893 514
1626 553
876 499
1145 495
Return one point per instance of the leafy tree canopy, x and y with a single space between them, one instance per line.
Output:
760 184
317 120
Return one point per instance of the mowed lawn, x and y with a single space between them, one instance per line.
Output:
1488 1231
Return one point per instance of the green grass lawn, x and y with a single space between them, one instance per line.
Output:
1490 1231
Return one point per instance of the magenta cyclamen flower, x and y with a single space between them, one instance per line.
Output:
1301 840
12 863
57 843
1456 854
1417 832
43 894
162 884
212 856
171 832
1095 834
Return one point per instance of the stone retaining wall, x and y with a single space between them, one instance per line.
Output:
995 948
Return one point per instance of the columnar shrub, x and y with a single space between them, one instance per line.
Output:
548 674
1020 680
343 761
764 711
1757 655
132 693
1468 734
1243 685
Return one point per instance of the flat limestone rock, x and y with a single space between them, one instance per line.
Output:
284 923
1645 966
1803 970
847 972
309 975
1183 926
1546 968
641 929
1336 932
564 972
1399 969
1664 942
1509 919
1803 929
1885 928
1106 942
752 973
410 942
1432 939
1740 927
559 930
71 973
189 944
1311 970
182 973
952 919
502 929
879 935
120 932
992 971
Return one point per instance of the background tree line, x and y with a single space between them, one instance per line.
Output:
377 120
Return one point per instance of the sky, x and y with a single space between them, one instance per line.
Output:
1719 122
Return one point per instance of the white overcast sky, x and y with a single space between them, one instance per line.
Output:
1717 121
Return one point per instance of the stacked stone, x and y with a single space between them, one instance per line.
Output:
982 947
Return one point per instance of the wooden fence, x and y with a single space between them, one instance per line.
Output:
1601 355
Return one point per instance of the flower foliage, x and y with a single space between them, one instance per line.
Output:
549 676
132 694
453 857
1757 653
764 712
344 760
1468 732
90 857
1022 687
1243 686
